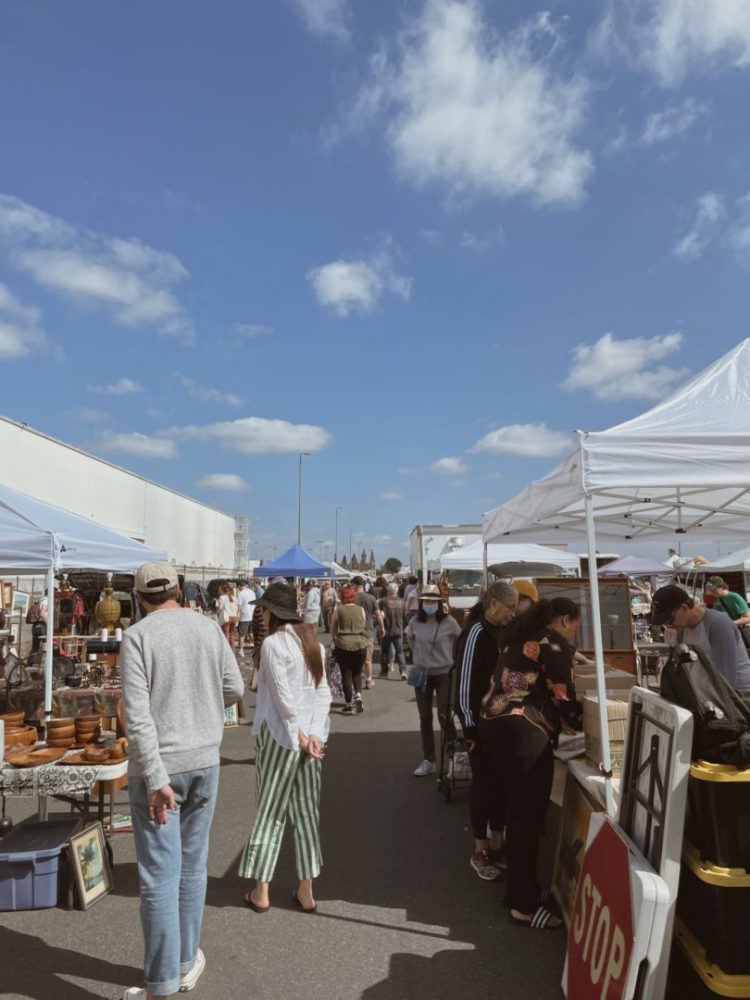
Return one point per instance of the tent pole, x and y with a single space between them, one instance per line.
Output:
601 687
484 565
48 653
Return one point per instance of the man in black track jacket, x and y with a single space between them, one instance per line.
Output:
477 650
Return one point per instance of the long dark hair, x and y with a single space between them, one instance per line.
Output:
538 617
307 635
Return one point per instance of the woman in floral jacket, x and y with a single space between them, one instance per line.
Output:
530 696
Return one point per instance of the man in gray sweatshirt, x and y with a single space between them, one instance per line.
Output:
178 674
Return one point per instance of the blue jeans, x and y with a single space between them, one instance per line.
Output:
172 874
397 641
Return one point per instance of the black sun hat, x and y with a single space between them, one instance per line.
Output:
281 601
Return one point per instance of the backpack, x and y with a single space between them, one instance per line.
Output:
721 732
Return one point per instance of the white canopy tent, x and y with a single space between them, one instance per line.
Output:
37 538
338 571
472 557
734 562
679 471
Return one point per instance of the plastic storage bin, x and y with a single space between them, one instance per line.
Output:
33 865
718 814
693 977
714 904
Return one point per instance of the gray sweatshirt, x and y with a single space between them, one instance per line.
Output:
178 674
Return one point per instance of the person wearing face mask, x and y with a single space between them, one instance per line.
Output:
432 635
530 695
477 651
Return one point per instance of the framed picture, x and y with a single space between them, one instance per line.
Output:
231 717
88 860
20 602
571 845
6 595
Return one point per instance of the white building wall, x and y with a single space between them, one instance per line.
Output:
191 532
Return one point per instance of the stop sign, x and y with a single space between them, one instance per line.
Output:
600 936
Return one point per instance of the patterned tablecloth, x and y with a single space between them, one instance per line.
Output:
68 702
49 779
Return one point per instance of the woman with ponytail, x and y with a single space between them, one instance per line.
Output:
530 695
291 727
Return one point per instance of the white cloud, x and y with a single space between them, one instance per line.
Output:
21 221
256 436
325 17
710 216
227 481
391 495
738 234
249 331
449 466
21 335
88 415
125 276
208 394
672 121
138 444
482 242
673 38
477 113
532 440
122 387
614 369
345 285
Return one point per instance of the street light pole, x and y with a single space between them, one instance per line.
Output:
336 543
302 455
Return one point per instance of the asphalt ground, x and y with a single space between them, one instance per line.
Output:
401 914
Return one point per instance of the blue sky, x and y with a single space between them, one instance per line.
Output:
424 241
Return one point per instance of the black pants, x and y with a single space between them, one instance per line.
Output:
486 796
441 686
351 662
522 760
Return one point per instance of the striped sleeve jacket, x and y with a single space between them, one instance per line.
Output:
476 658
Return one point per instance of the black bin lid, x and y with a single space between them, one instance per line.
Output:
50 836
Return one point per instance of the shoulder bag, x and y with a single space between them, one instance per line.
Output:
417 676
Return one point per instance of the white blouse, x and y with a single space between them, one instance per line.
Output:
287 697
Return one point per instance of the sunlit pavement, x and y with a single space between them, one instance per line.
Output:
400 913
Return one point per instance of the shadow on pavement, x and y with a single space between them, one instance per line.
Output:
36 967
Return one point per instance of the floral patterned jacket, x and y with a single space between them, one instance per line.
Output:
534 679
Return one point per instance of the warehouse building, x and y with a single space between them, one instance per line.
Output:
201 540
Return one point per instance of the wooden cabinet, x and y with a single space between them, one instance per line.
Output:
617 623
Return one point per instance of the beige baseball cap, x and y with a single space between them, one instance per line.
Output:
155 578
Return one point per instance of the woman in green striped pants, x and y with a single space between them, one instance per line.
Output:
291 726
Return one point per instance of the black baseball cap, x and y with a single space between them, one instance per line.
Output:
666 601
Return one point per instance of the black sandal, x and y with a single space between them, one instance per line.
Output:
540 920
254 906
305 909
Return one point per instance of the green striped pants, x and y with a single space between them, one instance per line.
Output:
288 784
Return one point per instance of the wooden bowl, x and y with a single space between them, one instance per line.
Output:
14 720
69 727
87 723
25 735
60 723
86 737
60 743
95 755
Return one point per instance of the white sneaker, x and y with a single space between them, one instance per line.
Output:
426 767
134 993
189 980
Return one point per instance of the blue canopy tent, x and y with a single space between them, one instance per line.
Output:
295 562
